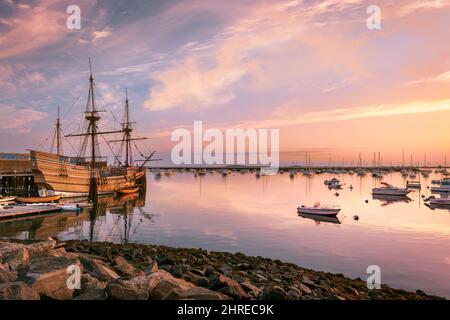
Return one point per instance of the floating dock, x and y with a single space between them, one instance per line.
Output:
17 211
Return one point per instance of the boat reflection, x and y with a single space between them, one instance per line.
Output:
389 199
71 224
437 206
318 218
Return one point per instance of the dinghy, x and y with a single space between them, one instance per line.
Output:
7 199
39 199
128 190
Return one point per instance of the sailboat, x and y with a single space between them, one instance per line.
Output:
56 174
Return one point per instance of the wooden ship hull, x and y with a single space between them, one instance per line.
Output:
56 175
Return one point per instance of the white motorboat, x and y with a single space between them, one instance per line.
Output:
69 207
444 187
317 209
413 184
438 201
389 190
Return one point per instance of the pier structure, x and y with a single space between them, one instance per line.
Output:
16 177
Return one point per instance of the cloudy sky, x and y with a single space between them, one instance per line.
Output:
310 68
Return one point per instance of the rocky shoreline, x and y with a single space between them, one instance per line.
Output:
33 270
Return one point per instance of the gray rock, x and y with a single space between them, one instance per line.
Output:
48 275
18 259
98 269
88 282
6 275
274 293
6 248
166 283
304 288
137 288
227 286
17 291
250 288
126 268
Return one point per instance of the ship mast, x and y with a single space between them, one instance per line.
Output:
127 129
57 136
92 117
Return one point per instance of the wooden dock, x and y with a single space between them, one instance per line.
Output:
18 211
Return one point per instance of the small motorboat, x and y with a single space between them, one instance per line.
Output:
69 207
7 199
317 209
390 190
128 190
438 201
38 199
413 184
331 181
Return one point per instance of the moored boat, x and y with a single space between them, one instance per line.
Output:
413 184
128 190
57 174
7 199
438 201
390 190
38 199
317 209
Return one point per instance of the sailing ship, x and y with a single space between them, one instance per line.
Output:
56 174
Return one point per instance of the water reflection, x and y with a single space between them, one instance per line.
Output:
88 224
318 219
258 216
390 199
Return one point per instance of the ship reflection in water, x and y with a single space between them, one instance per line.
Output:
109 219
409 241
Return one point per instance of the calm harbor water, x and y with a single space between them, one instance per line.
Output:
257 216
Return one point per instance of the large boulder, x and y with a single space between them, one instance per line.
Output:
166 283
6 248
18 259
48 275
98 269
137 288
251 289
227 286
17 291
274 293
126 268
7 275
41 247
88 282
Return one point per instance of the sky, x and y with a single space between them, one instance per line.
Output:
311 69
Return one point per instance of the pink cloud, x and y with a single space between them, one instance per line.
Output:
19 119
